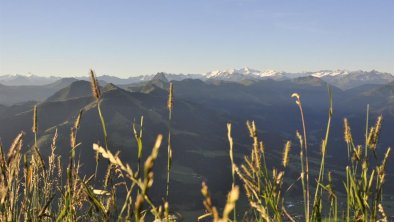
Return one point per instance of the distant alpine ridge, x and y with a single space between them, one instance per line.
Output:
343 79
32 80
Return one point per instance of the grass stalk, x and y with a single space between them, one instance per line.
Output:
299 104
170 106
316 214
231 154
366 132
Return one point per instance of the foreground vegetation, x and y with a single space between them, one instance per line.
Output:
38 188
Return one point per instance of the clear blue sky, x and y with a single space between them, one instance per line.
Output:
125 37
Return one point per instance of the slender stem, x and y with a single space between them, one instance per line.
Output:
169 154
322 163
303 180
348 195
168 164
366 132
306 163
231 154
35 140
102 124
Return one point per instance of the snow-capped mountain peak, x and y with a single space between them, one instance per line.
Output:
324 73
241 74
246 71
269 73
229 72
341 78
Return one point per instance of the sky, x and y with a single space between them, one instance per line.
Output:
128 38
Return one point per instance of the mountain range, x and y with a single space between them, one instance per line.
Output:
202 107
341 78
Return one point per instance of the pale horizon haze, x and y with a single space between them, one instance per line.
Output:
129 38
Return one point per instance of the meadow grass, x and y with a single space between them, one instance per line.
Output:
36 189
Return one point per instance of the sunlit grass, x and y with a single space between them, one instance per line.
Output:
38 188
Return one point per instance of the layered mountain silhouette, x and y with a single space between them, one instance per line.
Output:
343 79
201 111
11 94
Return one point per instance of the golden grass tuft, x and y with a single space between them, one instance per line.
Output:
77 122
286 151
212 211
170 102
94 85
34 127
347 131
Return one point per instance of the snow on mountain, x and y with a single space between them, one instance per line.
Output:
256 74
269 73
240 74
324 73
145 78
341 78
358 78
248 73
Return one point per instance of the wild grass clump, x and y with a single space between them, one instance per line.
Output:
36 190
363 185
213 212
364 180
263 187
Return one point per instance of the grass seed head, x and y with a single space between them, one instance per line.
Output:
370 140
59 166
252 128
297 96
382 213
94 85
77 122
357 153
15 147
286 152
301 141
231 201
376 133
73 139
34 128
347 132
170 102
